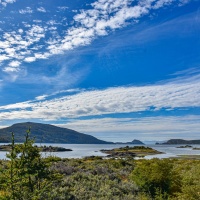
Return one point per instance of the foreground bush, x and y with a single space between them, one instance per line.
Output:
190 182
168 179
95 179
157 177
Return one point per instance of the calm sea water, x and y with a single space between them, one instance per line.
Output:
83 150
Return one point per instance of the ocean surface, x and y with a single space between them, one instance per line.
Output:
83 150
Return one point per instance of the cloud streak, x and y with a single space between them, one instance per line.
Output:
40 41
177 93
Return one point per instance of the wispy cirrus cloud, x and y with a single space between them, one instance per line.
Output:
40 41
174 94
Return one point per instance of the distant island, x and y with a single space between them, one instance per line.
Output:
185 146
130 152
180 141
41 148
46 133
133 142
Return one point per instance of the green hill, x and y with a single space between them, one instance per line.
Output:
45 133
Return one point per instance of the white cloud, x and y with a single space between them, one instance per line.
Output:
5 2
41 56
161 3
10 69
69 91
30 59
20 31
27 10
42 97
4 44
62 8
21 105
14 64
35 41
35 31
13 67
182 2
145 128
9 1
41 9
105 16
19 44
52 22
3 57
179 93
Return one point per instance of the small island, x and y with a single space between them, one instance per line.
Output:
186 146
130 152
189 146
196 148
41 148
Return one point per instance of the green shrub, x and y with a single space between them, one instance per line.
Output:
156 177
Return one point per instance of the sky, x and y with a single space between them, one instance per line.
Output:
115 69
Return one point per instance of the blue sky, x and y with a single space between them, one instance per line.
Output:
119 70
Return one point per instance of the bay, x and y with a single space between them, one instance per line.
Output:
84 150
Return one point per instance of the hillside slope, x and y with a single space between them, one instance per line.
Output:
45 133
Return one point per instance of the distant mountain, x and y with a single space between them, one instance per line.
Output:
133 142
181 141
45 133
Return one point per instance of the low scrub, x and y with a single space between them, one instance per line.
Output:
28 176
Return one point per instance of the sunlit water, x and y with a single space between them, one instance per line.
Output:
83 150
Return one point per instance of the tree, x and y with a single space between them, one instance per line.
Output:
27 175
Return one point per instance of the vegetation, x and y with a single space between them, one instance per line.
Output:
124 152
196 148
8 147
96 178
186 146
189 157
28 176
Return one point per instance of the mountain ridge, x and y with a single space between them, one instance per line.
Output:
46 133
